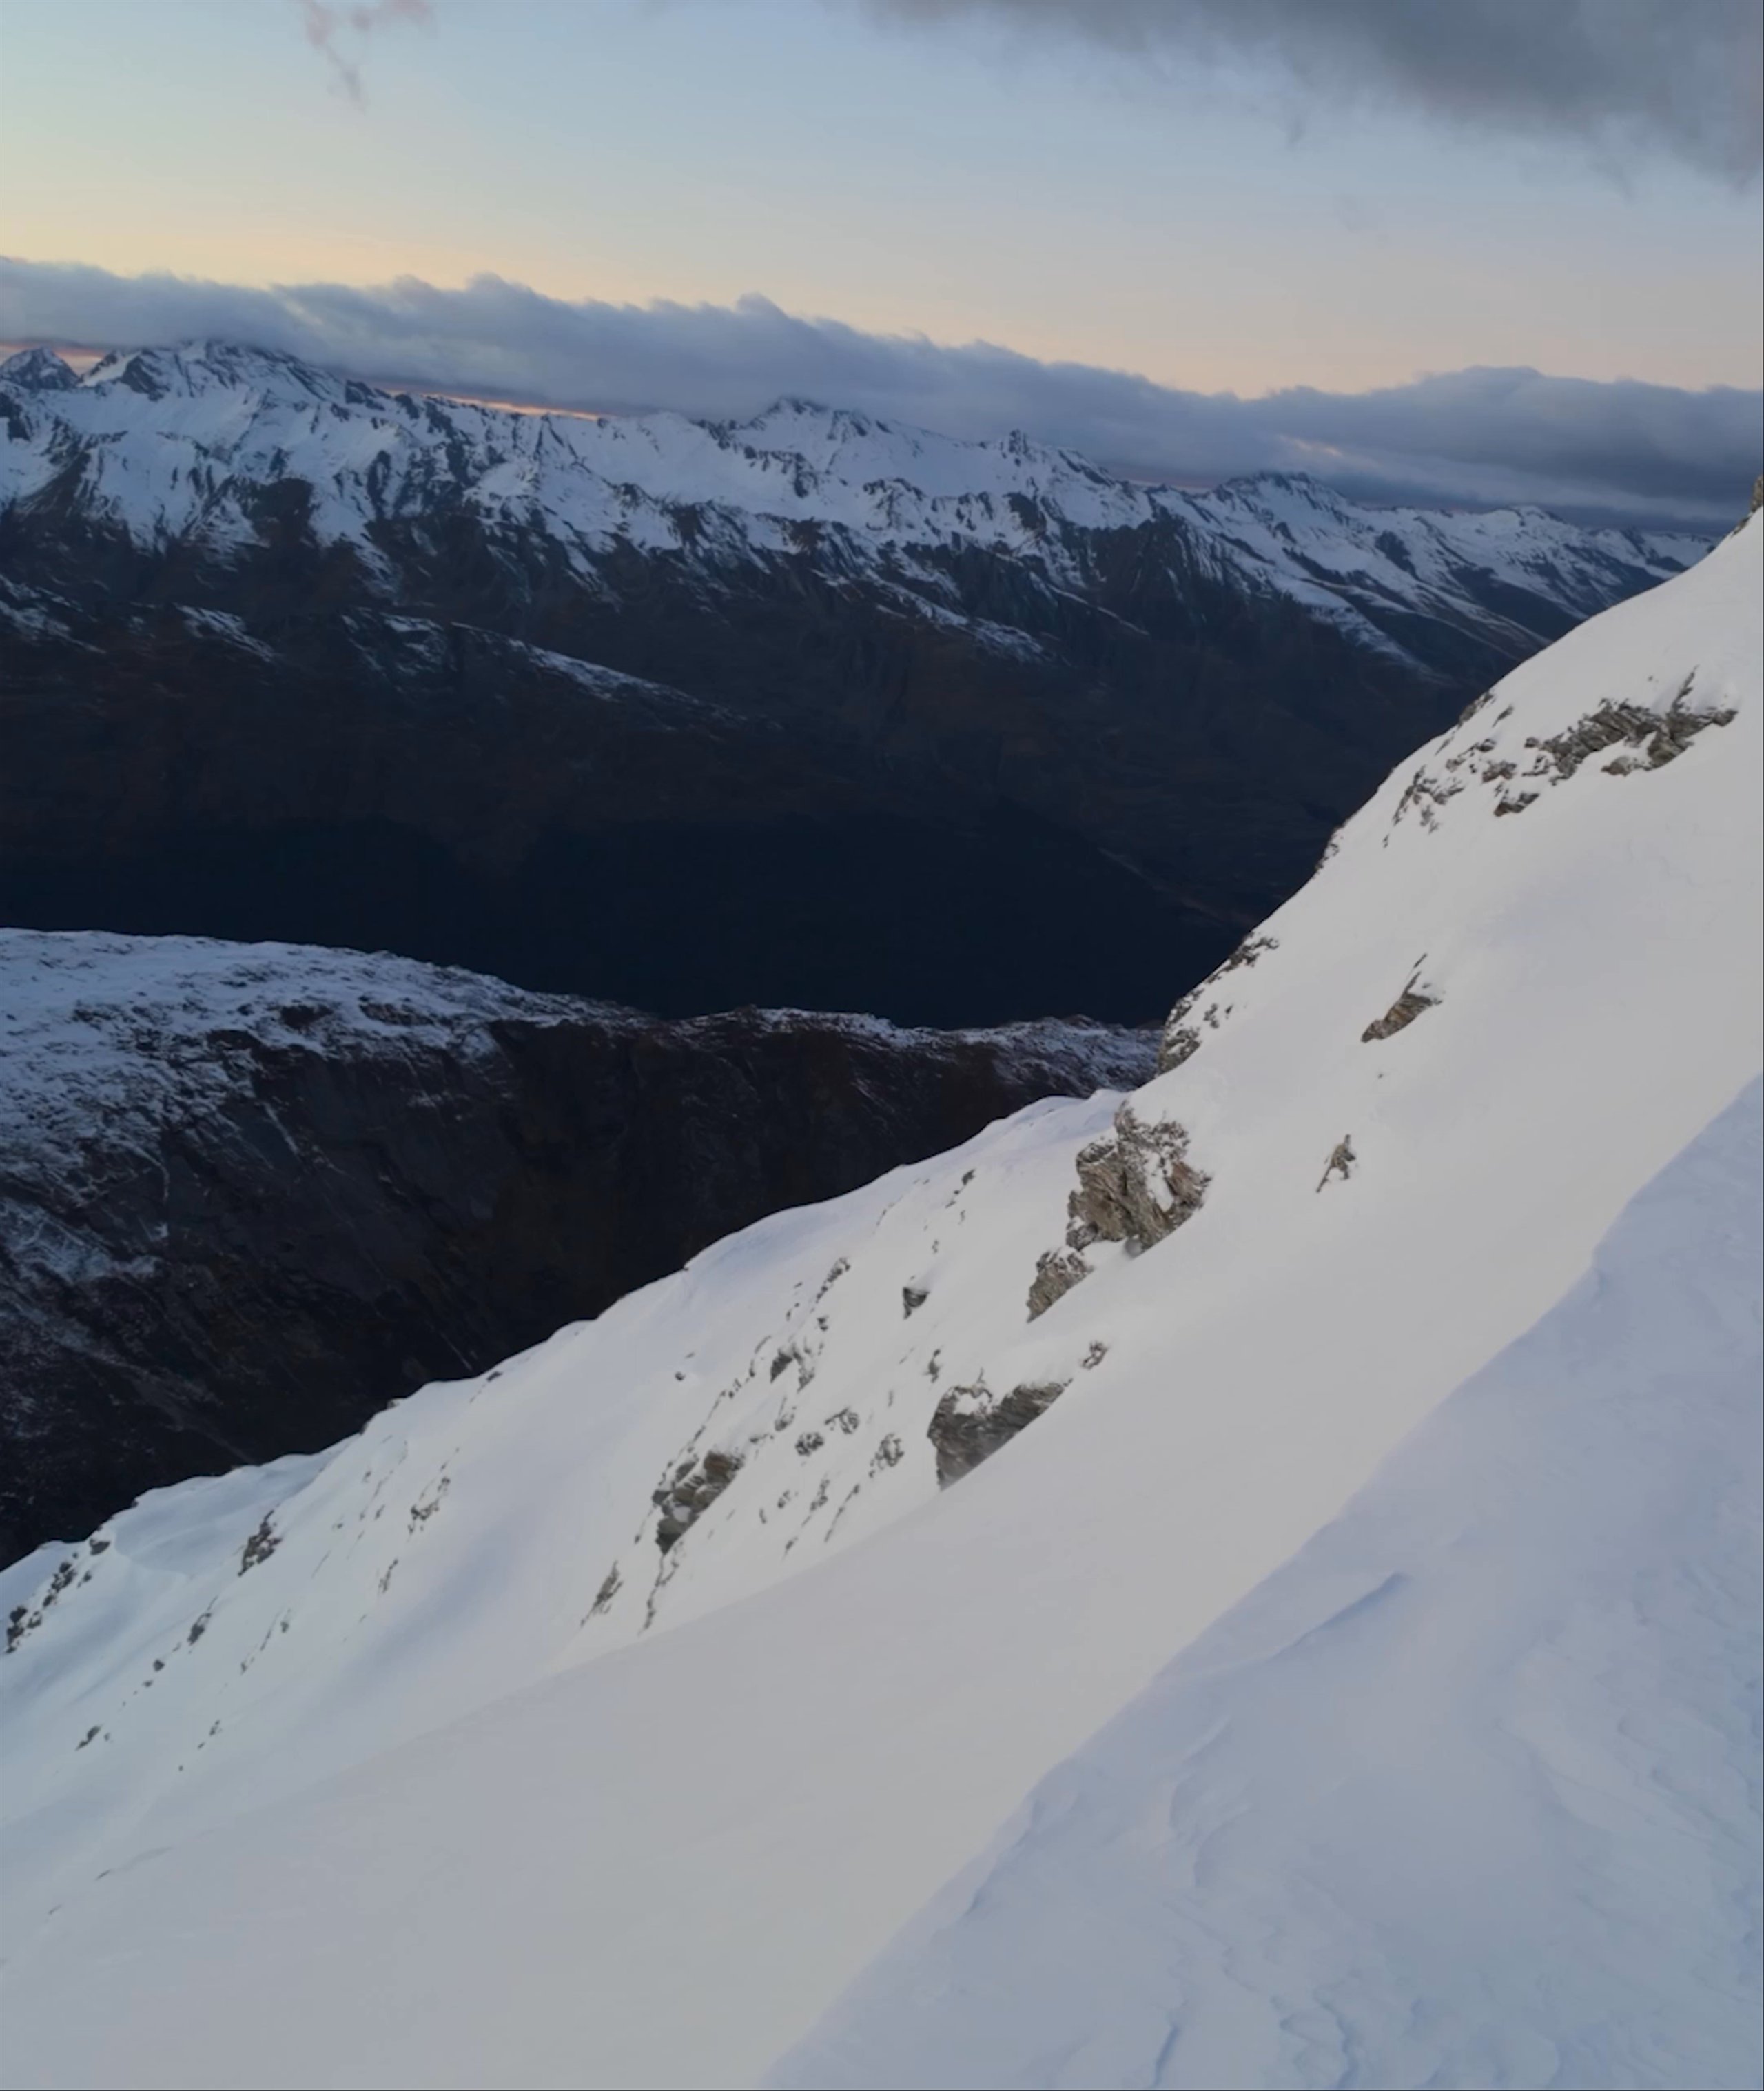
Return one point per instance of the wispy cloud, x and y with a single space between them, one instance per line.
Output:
1619 79
330 24
1623 449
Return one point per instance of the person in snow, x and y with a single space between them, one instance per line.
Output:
1340 1161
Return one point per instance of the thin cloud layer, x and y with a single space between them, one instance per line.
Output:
1626 451
1679 79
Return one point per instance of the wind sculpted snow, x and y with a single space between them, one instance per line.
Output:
467 1778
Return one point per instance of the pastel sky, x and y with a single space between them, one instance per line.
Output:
1216 199
1190 223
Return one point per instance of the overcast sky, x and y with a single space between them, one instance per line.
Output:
1305 198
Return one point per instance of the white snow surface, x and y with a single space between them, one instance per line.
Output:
403 1807
179 444
1467 1793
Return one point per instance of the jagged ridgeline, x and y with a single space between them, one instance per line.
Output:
809 710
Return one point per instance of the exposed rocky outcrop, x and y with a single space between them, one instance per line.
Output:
1657 737
262 1543
971 1423
1636 733
693 1487
1057 1270
1135 1185
1414 1000
249 1194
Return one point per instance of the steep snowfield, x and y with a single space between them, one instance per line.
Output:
1466 1793
423 1762
192 445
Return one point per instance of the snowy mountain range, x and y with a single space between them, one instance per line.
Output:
1250 1582
811 709
179 448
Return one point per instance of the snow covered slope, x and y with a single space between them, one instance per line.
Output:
189 447
1487 1745
599 1721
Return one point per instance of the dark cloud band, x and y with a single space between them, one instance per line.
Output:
1623 450
1620 78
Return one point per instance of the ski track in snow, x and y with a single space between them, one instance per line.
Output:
379 1743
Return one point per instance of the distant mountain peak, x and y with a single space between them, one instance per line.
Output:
38 370
189 369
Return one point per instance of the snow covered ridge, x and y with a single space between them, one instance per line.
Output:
250 1193
748 1687
186 447
90 1019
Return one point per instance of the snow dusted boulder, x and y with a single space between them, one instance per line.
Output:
471 1779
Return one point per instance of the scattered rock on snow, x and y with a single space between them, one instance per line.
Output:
262 1543
1661 737
25 1619
1181 1038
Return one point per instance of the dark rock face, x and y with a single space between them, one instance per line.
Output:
249 1195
